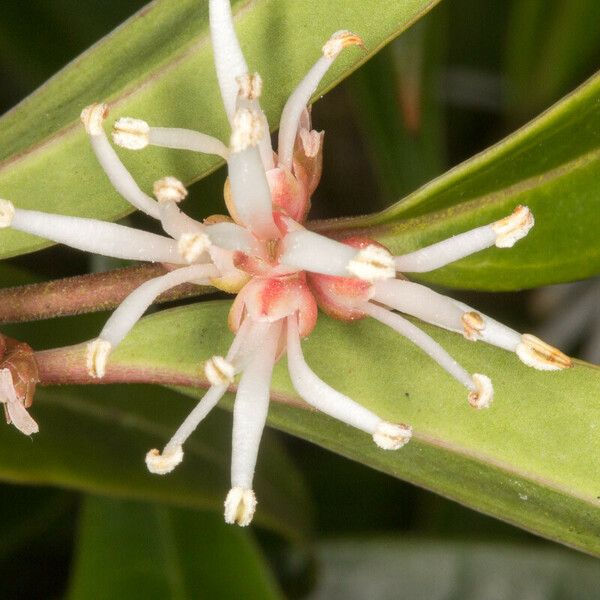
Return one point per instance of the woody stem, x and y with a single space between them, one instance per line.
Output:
84 294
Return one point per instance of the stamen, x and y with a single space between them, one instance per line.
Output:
503 233
473 324
340 40
420 339
192 245
219 371
250 86
250 411
240 506
132 134
161 464
116 172
229 60
7 212
372 263
483 393
247 129
335 404
187 139
514 227
296 104
97 353
540 355
93 116
309 251
392 436
108 239
169 189
133 307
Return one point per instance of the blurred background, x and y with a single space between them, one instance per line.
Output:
464 77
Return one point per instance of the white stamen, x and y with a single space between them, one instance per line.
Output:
309 251
161 464
250 193
473 324
420 339
249 86
97 352
7 212
133 307
132 134
240 506
187 139
311 142
175 222
514 227
372 263
229 60
192 245
425 304
447 251
108 239
16 412
169 189
392 436
482 394
250 410
219 371
93 116
540 355
320 395
301 96
247 129
232 236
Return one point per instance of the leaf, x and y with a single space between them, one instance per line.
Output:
158 66
365 568
551 165
95 439
532 459
147 551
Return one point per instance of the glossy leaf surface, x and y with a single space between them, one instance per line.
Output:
159 66
531 459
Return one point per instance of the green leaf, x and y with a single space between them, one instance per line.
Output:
147 551
364 568
95 439
532 459
551 165
158 66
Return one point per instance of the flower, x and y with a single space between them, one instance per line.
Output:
280 271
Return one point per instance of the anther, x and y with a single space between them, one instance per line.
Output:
191 246
247 129
219 371
161 464
514 227
392 436
473 324
240 505
169 189
7 213
93 116
483 394
250 85
133 134
540 355
340 40
372 263
97 353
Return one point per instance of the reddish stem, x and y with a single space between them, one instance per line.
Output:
84 294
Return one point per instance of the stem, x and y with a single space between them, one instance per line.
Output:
67 366
84 294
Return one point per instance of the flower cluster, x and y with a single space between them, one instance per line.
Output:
280 271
